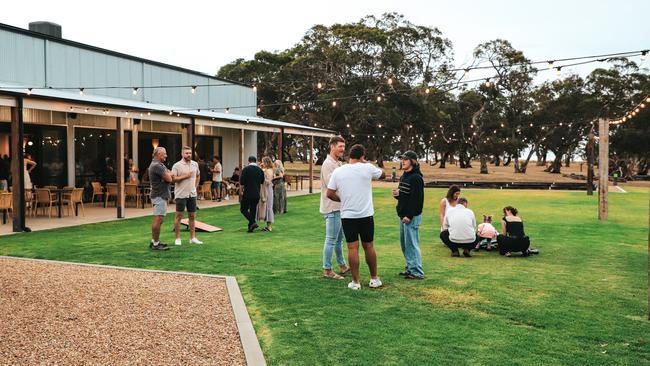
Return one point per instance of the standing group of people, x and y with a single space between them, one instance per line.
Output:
263 193
347 207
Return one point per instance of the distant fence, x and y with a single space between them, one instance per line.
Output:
566 186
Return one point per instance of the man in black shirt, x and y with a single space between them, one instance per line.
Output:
410 199
250 182
4 173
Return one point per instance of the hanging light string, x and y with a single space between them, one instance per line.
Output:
193 88
632 112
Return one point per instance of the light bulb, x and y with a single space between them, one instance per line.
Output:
379 98
171 112
135 91
194 89
390 81
559 70
550 64
255 88
643 55
259 109
148 113
427 91
293 106
319 85
81 91
228 110
29 91
333 103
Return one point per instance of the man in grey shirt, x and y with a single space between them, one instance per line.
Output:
160 178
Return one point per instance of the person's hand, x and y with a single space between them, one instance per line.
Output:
396 192
406 220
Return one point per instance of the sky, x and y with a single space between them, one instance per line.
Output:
205 35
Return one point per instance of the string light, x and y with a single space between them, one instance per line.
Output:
135 91
550 64
379 98
227 110
171 112
390 81
643 55
81 91
333 103
466 72
487 82
319 85
254 88
293 106
427 91
86 110
148 113
259 109
29 91
559 70
194 89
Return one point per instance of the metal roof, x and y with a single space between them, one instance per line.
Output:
98 101
113 53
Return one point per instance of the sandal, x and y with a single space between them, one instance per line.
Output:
345 272
333 276
508 254
267 229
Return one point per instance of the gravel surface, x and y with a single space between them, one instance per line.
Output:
64 314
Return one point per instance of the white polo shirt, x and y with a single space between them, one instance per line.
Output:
185 188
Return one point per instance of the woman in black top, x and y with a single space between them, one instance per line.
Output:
514 238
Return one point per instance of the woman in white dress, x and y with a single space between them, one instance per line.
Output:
449 202
29 165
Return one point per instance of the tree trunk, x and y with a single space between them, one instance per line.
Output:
556 165
524 165
567 160
508 160
484 165
516 165
497 160
443 160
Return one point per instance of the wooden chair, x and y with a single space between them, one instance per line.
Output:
75 198
131 191
232 188
5 205
288 178
146 195
30 204
44 199
111 191
206 190
97 191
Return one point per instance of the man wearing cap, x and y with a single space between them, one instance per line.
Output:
410 200
250 181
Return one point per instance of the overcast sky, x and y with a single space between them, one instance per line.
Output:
206 35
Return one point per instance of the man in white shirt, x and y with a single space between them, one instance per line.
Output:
351 185
185 193
331 210
459 229
217 178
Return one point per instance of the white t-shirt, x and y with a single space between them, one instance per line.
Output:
217 177
461 224
353 183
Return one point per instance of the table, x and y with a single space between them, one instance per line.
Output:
59 198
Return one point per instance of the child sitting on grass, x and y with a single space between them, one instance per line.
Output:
487 234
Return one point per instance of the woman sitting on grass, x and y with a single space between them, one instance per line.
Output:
514 238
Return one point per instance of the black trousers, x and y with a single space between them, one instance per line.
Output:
511 244
444 236
248 208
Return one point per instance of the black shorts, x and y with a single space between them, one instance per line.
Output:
363 227
189 202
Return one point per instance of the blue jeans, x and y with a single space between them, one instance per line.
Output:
333 240
409 240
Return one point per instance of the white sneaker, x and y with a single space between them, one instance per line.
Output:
227 198
354 286
195 241
374 283
177 242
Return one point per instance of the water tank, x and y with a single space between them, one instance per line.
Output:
49 28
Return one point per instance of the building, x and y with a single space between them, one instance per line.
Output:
80 110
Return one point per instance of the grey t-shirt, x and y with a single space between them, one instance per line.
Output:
159 188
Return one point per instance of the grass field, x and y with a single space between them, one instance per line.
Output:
582 301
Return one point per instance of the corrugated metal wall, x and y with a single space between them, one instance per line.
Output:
32 61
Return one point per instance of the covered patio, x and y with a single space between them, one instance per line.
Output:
78 138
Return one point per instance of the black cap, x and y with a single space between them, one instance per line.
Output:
409 155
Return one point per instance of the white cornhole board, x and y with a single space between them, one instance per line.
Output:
201 226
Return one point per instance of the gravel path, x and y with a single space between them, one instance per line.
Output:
53 313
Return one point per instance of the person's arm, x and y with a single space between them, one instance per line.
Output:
503 227
331 194
167 175
445 224
417 185
197 177
32 163
442 211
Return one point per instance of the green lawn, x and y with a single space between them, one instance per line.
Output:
582 301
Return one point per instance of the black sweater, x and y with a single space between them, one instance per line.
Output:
251 180
411 194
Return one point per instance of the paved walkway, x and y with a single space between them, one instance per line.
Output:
97 213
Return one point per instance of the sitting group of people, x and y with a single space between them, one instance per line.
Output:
459 230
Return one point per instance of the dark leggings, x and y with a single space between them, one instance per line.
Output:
444 236
510 244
